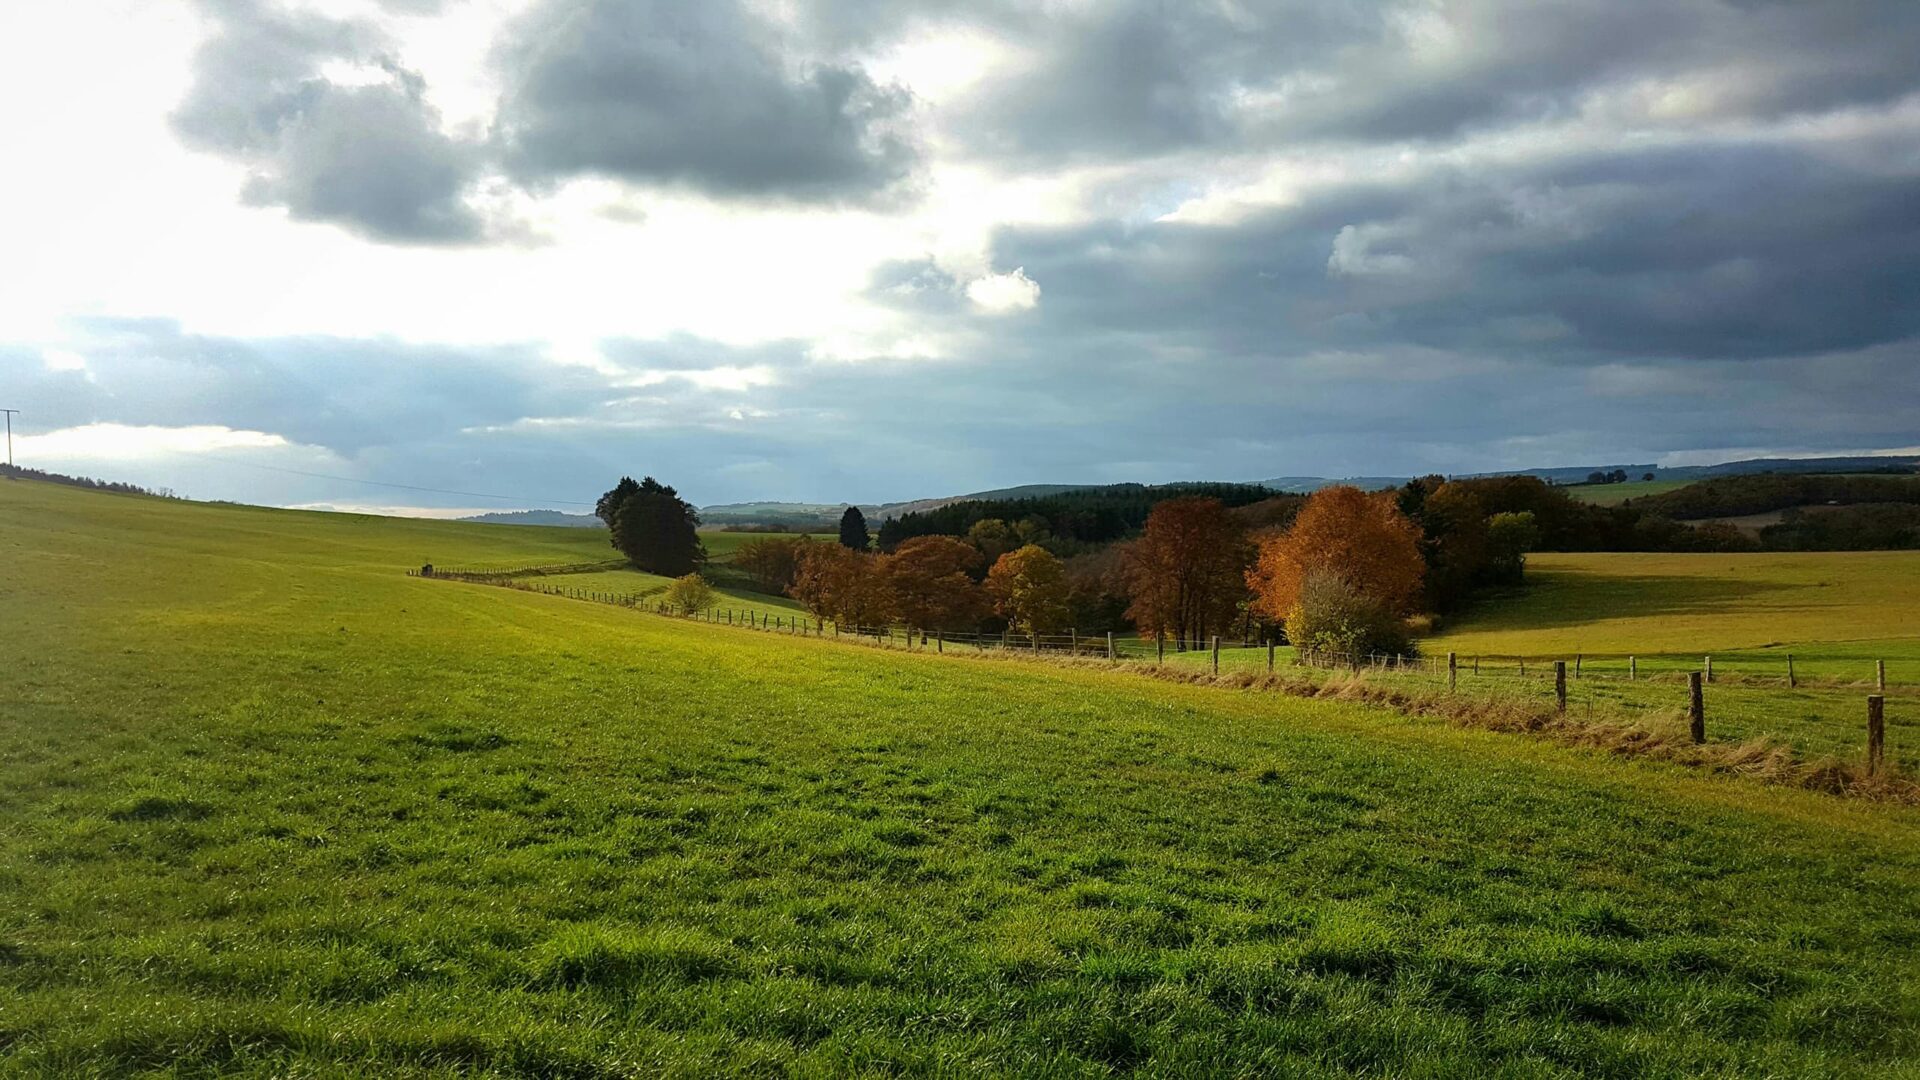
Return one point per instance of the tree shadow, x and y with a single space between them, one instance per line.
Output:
1560 599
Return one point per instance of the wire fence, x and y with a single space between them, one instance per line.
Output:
1508 677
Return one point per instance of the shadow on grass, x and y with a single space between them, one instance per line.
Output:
1555 600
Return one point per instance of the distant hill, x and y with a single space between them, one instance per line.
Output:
538 517
826 515
1898 463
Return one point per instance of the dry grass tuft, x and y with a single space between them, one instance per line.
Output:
1758 759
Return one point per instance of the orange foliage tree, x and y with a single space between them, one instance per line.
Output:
930 584
1029 587
841 584
1362 538
1187 574
772 561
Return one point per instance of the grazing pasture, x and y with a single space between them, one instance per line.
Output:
272 807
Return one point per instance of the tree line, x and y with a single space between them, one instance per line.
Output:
1760 493
1340 570
1065 522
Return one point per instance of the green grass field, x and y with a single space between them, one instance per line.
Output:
1614 494
272 808
1836 613
1841 604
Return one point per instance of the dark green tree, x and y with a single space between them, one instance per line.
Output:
609 503
658 530
853 529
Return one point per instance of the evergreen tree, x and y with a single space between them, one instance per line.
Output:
658 530
853 529
609 504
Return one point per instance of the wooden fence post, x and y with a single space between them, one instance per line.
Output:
1476 664
1109 644
1159 648
1708 663
1880 675
1269 656
1633 667
1791 681
1453 671
1696 708
1523 667
1560 684
1876 733
1576 664
940 641
1073 639
1216 654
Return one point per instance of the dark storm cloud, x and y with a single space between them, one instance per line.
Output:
706 95
370 158
1698 252
1139 77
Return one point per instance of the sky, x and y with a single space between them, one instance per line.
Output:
433 255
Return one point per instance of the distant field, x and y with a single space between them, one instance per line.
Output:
1827 603
1612 494
634 583
721 544
268 807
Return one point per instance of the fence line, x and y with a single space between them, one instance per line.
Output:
1479 669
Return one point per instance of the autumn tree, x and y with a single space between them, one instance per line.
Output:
841 584
929 580
771 561
853 530
1187 574
1364 539
1097 589
1029 588
1331 615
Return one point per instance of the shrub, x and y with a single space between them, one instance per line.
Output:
1331 615
689 594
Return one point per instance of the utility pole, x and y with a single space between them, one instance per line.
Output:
9 413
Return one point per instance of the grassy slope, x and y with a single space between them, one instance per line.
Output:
1611 494
270 806
1845 603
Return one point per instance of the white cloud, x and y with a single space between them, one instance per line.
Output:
1000 294
124 442
63 360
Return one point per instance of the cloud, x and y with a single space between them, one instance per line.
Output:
1137 79
101 443
367 154
707 95
999 294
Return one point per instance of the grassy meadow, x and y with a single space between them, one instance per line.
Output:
1614 494
1836 613
1834 610
271 807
